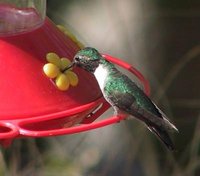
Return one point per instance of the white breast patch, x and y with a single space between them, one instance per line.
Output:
101 74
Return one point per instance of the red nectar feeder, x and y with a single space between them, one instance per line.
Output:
30 104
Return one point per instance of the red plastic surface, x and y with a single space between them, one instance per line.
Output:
30 104
36 128
27 96
25 91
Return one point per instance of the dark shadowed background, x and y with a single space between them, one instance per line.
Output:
162 39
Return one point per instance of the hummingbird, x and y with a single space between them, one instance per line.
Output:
124 95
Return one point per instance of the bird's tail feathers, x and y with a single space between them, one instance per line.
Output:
169 125
154 120
162 135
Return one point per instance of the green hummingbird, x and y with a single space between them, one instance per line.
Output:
123 94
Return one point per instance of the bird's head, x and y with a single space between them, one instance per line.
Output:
87 58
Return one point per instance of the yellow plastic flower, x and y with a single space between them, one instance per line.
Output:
72 36
55 69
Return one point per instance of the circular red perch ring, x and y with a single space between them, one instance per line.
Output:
8 130
87 123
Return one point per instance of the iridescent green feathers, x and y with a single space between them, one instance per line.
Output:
124 95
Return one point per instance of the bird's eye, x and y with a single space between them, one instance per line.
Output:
77 59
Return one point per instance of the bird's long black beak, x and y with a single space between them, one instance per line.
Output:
70 66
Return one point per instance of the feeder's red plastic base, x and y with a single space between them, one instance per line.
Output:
36 128
31 105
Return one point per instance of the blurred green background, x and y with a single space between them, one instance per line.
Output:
162 39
